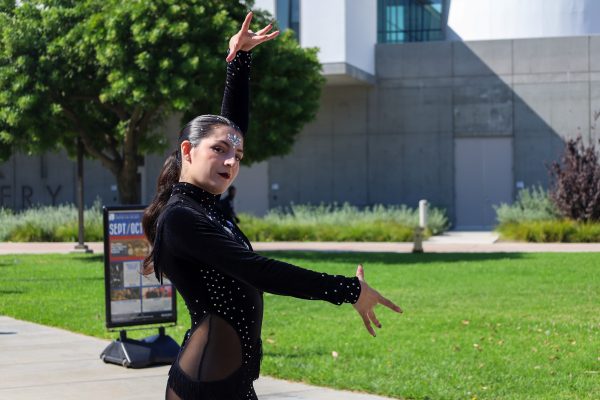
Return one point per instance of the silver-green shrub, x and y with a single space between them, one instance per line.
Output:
347 215
297 222
532 204
49 223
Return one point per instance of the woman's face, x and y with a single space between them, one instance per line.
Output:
215 162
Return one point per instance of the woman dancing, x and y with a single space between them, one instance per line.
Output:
211 262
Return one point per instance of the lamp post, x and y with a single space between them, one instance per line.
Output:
420 230
80 247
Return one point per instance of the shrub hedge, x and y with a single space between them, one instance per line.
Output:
297 223
341 223
533 217
532 204
50 224
567 231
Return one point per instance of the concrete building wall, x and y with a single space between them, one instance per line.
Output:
50 179
252 186
511 19
393 142
329 161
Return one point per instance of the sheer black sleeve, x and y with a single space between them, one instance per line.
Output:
192 236
236 97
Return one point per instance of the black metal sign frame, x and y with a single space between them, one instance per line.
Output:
125 248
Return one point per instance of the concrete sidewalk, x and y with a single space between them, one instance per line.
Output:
40 362
449 242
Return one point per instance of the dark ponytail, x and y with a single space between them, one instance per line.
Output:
169 175
194 131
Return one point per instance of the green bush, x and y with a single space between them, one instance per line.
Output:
298 223
586 233
94 231
566 231
533 217
50 224
532 204
537 231
340 223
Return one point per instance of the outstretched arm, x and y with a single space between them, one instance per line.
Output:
236 98
194 237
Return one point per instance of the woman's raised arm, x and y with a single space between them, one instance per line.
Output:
246 40
236 97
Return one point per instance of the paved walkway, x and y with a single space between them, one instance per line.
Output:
40 362
450 242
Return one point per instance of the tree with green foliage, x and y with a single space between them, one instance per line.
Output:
111 71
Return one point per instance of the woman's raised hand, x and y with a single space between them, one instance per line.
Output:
246 40
367 301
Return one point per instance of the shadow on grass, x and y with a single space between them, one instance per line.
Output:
285 353
54 279
11 291
10 260
5 264
389 258
90 258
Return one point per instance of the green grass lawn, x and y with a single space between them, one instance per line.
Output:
485 326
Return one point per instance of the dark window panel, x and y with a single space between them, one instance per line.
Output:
409 20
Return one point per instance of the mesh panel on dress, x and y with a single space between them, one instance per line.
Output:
211 354
223 354
193 350
171 395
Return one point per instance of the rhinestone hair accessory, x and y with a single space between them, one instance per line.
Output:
234 139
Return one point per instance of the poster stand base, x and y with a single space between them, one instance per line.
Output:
132 353
82 248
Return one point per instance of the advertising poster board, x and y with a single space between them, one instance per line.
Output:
132 298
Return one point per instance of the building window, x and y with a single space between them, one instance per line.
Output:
409 20
288 15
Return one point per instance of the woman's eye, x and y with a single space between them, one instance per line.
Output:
217 149
238 158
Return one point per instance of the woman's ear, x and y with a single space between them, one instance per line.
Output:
186 148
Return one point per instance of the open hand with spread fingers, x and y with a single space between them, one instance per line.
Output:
246 40
367 301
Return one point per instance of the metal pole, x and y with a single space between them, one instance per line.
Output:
80 247
420 230
423 214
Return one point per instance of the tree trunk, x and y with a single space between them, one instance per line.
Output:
128 182
124 166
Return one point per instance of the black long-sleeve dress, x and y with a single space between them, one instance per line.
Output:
211 263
